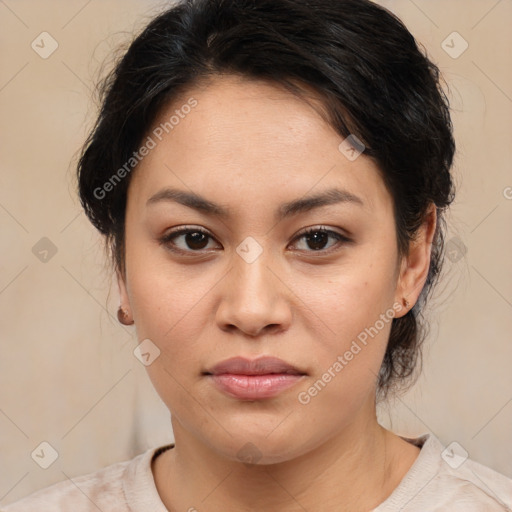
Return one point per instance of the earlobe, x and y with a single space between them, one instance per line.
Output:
416 264
123 313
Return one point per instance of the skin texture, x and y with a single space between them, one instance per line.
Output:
250 146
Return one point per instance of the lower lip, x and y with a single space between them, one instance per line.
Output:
254 387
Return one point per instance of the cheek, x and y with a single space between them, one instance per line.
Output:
348 355
166 298
350 319
350 300
169 309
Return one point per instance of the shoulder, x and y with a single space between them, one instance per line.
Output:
472 487
110 488
443 478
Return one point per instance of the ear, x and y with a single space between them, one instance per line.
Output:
123 292
415 265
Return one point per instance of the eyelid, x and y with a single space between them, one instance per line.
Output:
187 228
320 227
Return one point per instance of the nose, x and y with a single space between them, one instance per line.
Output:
255 298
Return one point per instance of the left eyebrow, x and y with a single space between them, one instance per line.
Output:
327 197
302 205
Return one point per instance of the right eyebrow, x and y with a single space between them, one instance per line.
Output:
189 199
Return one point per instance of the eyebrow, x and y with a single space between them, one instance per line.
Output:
302 205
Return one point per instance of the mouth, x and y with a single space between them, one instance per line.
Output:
255 379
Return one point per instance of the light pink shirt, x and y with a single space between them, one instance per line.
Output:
438 481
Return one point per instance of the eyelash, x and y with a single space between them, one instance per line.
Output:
167 238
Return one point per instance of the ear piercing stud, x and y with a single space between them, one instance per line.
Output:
122 316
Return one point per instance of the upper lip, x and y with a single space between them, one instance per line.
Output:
260 366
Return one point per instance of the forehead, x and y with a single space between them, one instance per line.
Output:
247 117
250 139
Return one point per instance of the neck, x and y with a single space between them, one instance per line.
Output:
354 470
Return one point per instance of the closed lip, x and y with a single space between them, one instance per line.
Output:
264 365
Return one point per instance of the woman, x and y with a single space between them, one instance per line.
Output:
271 178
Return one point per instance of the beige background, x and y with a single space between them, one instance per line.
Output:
67 371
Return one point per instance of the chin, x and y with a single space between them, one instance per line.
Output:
260 448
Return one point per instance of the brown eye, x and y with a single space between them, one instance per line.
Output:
186 240
317 239
196 240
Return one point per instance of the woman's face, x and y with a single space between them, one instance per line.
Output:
254 285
